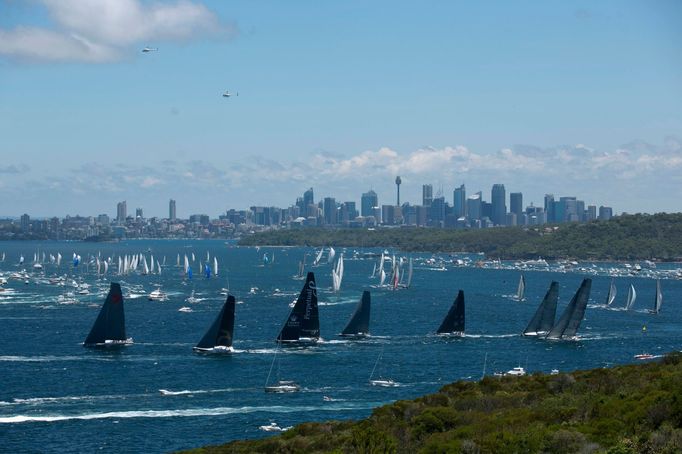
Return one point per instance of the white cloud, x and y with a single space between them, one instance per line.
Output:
96 31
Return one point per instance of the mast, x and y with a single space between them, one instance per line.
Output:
359 321
658 300
454 320
568 324
543 320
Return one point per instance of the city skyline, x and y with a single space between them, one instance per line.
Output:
573 96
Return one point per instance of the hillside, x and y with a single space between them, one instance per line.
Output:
627 237
626 409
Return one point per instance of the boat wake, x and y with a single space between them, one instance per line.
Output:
188 413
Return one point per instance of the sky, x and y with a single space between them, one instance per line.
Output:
574 98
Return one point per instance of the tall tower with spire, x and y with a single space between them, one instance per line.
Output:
397 183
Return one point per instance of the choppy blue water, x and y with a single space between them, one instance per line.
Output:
57 396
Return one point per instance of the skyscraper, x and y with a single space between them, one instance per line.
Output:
499 205
459 202
330 211
474 206
427 195
516 205
368 201
308 198
549 208
121 211
171 210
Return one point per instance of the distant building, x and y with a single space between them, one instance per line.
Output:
474 206
139 213
437 211
25 222
499 204
427 195
591 213
459 201
308 197
605 213
516 204
368 201
172 214
549 208
121 211
330 211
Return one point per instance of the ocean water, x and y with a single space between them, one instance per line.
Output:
157 396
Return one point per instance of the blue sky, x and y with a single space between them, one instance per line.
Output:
571 98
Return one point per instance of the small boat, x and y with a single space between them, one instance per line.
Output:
109 329
273 427
218 338
554 372
157 295
185 309
643 356
516 372
358 325
453 323
381 381
283 386
192 299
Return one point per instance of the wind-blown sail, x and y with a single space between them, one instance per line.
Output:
632 296
658 299
568 324
521 289
218 338
453 323
332 254
109 328
359 321
611 297
543 320
303 322
382 277
215 265
318 257
337 274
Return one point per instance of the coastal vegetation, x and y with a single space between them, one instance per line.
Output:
621 410
626 237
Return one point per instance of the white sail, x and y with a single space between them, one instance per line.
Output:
186 264
611 297
332 254
177 262
106 267
208 257
151 263
337 274
215 265
382 277
632 296
145 267
374 270
98 267
521 289
59 259
381 263
158 267
120 265
318 257
409 274
193 259
659 297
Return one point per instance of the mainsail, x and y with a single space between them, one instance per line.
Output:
632 296
454 321
221 331
543 320
359 322
568 324
303 321
109 327
658 299
611 297
521 289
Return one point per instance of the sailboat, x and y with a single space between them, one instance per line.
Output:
109 329
568 324
611 297
632 296
521 289
453 323
303 324
658 299
543 320
358 325
385 382
280 386
318 257
218 338
337 274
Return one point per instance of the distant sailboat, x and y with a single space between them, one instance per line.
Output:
632 296
215 266
318 257
543 320
331 255
358 325
611 297
385 382
280 386
218 338
453 323
337 274
568 324
303 323
658 299
521 290
109 329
